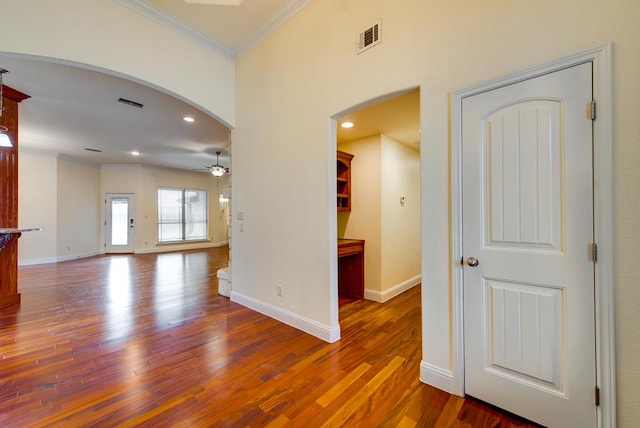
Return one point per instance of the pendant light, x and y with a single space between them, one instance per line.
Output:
217 170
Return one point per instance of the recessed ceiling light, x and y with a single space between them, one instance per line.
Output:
347 125
135 153
188 119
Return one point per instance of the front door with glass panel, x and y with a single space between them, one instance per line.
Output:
119 224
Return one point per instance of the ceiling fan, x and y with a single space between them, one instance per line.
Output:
217 170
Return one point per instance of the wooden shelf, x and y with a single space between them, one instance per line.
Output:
343 180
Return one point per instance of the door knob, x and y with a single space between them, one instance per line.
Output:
473 262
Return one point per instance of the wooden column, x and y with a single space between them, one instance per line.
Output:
9 198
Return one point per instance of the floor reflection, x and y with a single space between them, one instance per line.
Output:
120 298
174 274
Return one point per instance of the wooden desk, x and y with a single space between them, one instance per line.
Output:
351 268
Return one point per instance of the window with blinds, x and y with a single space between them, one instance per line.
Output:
182 215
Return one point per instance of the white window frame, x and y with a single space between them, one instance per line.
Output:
183 223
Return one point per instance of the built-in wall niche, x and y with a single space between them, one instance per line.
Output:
343 180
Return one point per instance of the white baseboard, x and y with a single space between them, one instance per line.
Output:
390 293
321 331
77 256
440 378
42 261
179 247
159 249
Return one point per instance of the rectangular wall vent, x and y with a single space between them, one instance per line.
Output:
369 37
130 103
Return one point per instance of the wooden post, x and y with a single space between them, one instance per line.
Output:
9 198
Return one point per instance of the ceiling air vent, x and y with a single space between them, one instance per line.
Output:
130 103
369 37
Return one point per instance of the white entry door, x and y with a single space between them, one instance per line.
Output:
119 223
529 337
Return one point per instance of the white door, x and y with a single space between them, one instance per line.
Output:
528 224
119 223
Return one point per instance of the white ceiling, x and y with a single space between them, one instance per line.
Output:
397 118
72 109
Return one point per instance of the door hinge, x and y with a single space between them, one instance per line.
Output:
594 252
593 110
597 395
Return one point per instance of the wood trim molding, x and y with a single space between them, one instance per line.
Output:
14 94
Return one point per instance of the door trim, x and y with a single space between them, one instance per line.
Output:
601 59
106 228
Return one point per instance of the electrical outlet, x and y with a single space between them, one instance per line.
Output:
280 290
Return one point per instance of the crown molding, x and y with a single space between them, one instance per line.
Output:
14 94
285 13
161 17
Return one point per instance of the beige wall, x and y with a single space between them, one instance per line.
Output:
364 219
307 72
78 208
38 206
66 197
143 183
82 33
105 34
62 195
127 179
400 222
382 171
289 87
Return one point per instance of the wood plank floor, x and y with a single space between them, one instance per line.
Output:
145 340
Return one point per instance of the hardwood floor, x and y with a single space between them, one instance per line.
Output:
145 340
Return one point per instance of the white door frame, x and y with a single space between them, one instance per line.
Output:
107 227
603 220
